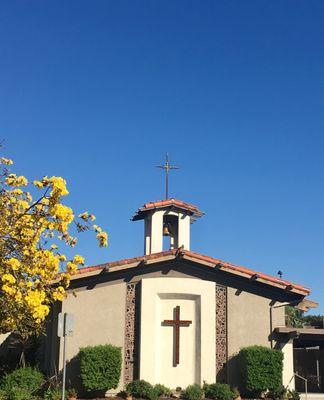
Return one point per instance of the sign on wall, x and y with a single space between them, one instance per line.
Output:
65 324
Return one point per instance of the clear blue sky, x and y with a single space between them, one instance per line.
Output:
98 91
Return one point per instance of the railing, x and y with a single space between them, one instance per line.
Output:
304 379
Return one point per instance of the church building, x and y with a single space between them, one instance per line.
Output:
179 316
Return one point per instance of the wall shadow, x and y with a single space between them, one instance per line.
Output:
15 352
234 377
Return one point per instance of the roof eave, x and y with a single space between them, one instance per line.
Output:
142 212
193 257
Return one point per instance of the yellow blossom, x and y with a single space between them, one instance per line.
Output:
28 196
8 278
97 228
14 180
35 301
63 213
23 205
71 267
30 260
59 186
17 192
6 161
38 184
8 289
13 263
18 297
103 239
78 259
84 215
59 293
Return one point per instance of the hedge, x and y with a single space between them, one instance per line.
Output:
261 369
219 391
22 382
100 367
193 392
141 389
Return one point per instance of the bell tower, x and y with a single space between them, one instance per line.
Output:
167 224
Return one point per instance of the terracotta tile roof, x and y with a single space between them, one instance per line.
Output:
250 272
191 208
84 270
168 202
199 258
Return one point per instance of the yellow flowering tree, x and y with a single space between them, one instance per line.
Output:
34 273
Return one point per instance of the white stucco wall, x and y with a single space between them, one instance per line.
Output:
288 364
196 299
3 337
184 231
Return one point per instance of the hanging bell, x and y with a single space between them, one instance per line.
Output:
166 231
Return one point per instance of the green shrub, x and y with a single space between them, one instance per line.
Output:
100 367
162 390
236 392
20 394
278 394
53 394
144 390
72 392
56 394
157 391
153 393
282 393
219 391
22 383
261 369
193 392
293 395
139 389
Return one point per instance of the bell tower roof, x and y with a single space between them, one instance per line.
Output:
170 204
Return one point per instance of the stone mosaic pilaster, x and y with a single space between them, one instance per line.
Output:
221 333
130 328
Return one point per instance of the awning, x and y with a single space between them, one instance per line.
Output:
300 333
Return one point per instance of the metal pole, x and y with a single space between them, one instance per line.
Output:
271 327
306 383
64 358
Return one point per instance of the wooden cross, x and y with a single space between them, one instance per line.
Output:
176 323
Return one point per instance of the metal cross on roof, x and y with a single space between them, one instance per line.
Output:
167 167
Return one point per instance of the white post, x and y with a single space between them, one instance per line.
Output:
157 232
147 235
288 364
184 231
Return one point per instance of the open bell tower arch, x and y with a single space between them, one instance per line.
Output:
167 218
